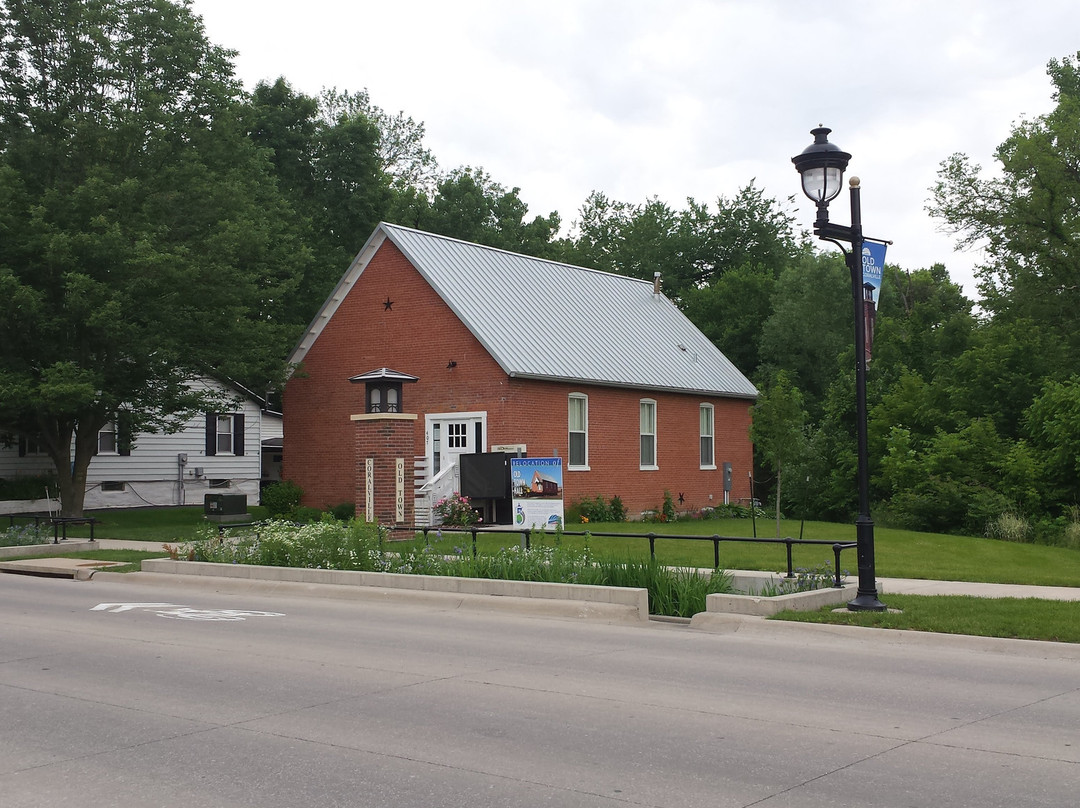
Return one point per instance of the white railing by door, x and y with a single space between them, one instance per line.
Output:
444 484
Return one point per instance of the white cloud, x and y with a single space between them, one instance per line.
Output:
682 98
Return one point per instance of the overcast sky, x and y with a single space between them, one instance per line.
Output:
681 98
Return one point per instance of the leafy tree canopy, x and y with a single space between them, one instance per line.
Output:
142 237
468 204
1027 216
691 248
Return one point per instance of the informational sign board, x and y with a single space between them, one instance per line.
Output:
537 494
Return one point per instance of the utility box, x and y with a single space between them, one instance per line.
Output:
225 507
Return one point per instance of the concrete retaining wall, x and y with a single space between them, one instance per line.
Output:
635 599
763 606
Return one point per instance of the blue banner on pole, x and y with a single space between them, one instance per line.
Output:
873 263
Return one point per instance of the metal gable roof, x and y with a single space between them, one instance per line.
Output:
546 320
542 319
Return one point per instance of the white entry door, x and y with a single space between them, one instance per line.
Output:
450 435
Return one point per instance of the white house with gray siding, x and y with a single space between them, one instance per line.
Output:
213 453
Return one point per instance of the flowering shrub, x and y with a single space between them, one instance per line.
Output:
23 535
455 510
327 544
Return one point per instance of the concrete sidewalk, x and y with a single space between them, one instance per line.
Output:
916 586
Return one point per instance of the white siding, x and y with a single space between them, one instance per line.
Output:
152 475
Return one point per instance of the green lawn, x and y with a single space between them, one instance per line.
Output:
148 524
1017 618
899 553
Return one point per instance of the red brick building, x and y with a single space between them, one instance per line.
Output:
430 347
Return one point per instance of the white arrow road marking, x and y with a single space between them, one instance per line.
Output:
128 607
176 611
187 613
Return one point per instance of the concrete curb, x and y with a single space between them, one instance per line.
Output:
765 606
790 632
444 601
634 600
67 546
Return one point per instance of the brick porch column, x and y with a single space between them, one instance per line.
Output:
385 445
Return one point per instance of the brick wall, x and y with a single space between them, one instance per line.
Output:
419 335
382 441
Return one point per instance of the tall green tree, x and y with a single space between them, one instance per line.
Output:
732 311
1027 215
692 248
143 241
810 325
1053 422
402 153
468 204
779 430
328 159
634 240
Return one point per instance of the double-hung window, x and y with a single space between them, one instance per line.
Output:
647 419
106 439
224 434
708 440
578 425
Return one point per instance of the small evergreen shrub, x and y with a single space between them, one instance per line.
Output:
307 516
28 487
599 510
618 510
281 499
667 513
343 512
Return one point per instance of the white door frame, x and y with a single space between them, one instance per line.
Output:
443 418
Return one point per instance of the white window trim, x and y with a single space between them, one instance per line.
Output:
229 452
712 436
585 466
655 439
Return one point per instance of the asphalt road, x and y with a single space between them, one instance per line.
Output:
281 700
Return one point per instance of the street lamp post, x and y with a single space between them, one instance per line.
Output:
821 166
